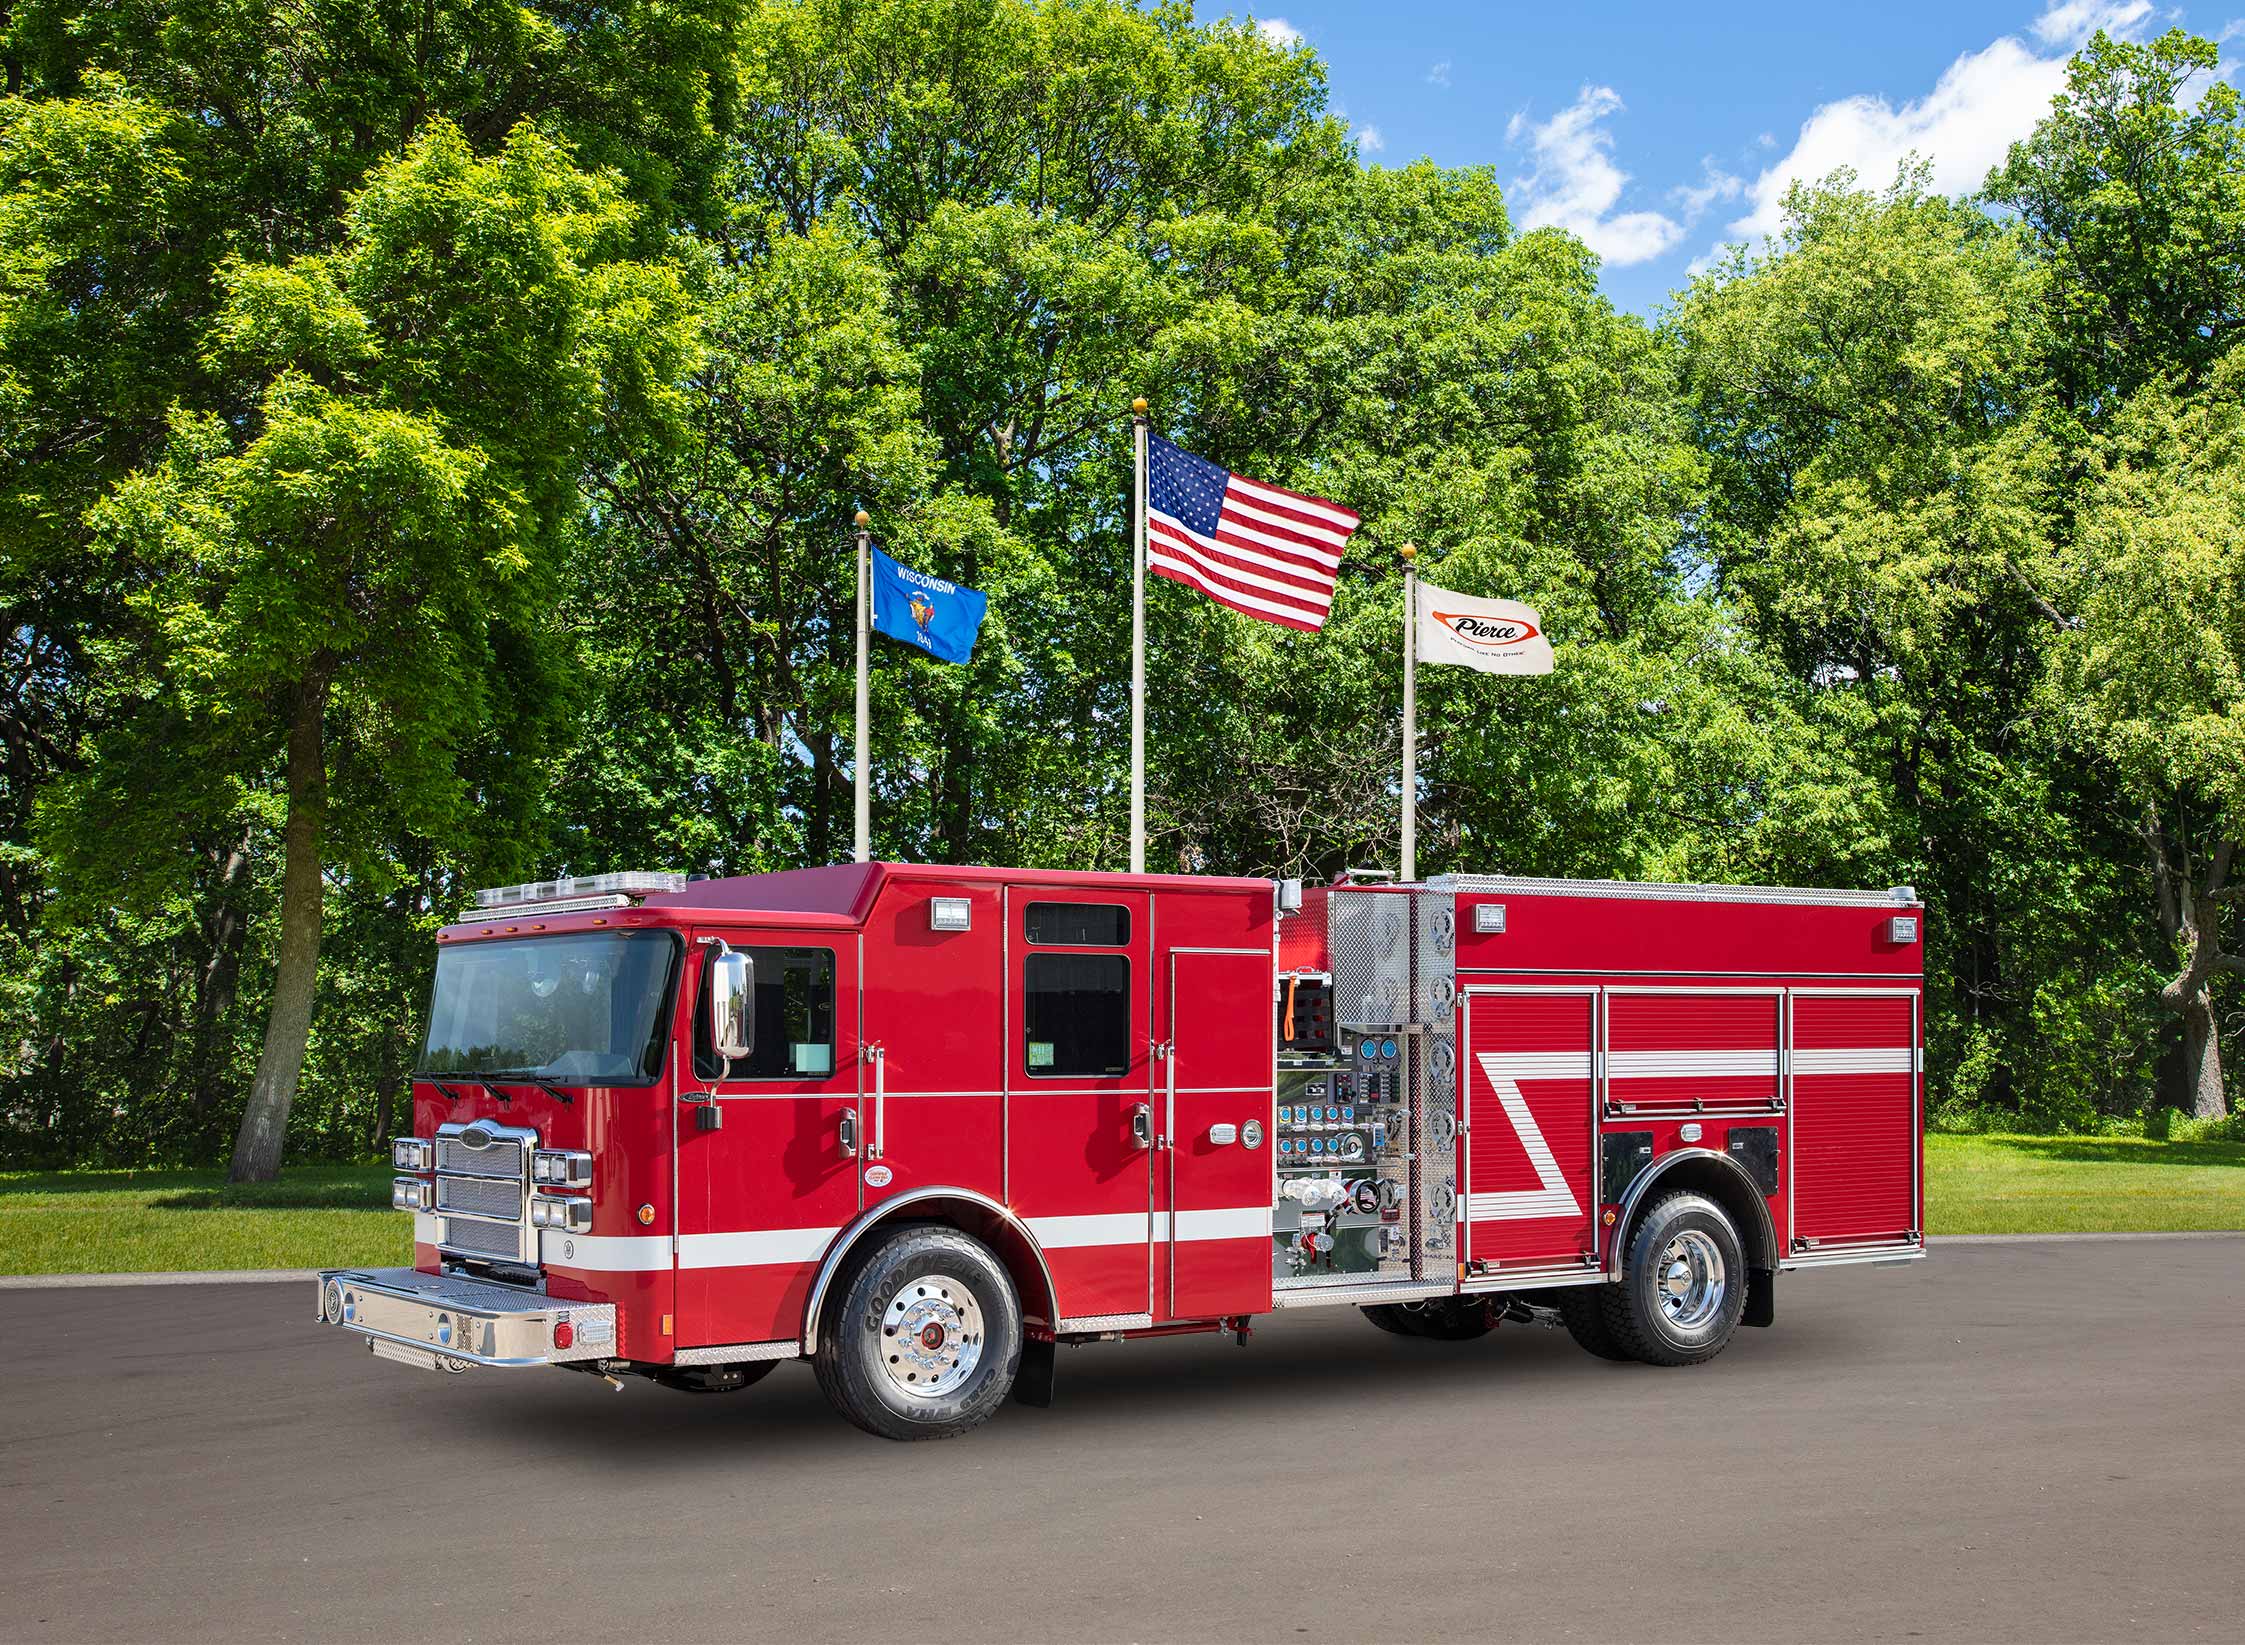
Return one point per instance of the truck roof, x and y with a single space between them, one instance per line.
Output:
848 890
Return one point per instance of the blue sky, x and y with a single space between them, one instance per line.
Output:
1659 132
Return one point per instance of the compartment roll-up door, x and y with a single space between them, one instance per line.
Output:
1855 1117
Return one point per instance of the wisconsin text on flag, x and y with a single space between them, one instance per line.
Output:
1257 548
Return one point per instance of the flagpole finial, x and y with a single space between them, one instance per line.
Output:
1138 407
863 519
1407 553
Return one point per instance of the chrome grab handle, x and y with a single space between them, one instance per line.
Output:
1142 1124
880 1056
849 1136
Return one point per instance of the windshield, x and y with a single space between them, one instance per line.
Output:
577 1009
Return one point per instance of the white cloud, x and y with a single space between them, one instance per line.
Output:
1370 140
2070 22
1439 75
1714 184
1575 185
1279 32
1984 102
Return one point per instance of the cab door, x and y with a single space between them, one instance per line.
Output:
1081 1125
766 1184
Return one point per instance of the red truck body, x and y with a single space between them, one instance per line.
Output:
1565 1049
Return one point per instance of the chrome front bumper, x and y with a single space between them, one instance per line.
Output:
443 1323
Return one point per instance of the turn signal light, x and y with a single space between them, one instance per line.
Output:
574 1215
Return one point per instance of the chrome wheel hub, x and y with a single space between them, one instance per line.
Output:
931 1336
1691 1280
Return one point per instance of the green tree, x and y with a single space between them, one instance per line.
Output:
2134 189
365 570
2149 680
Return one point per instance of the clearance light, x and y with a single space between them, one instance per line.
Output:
410 1153
411 1193
646 1216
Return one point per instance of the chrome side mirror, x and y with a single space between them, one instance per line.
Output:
732 1004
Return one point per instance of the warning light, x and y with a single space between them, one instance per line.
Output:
1611 1217
646 1216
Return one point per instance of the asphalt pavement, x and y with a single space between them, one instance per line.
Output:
2029 1442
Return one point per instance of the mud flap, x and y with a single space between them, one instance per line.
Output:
1032 1384
1761 1297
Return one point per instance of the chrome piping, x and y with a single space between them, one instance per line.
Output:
831 1263
1660 1168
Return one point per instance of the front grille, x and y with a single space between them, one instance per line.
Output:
480 1197
502 1158
483 1239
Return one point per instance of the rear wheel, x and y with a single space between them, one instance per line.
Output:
925 1338
1684 1289
1582 1309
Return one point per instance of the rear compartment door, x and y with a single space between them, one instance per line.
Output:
1530 1121
1855 1116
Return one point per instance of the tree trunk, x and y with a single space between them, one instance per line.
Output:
288 1021
2202 1056
216 982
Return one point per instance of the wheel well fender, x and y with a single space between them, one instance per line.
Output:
1700 1171
1007 1236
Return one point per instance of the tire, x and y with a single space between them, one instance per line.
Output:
1684 1288
1444 1319
715 1379
1582 1309
924 1339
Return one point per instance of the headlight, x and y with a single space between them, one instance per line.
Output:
411 1193
409 1153
561 1167
573 1215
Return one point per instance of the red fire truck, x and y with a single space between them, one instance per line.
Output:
921 1125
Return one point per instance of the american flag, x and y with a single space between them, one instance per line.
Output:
1257 548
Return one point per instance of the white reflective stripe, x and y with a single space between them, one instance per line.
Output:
1132 1227
754 1249
1112 1228
604 1253
1538 1065
1238 1222
426 1229
1553 1197
1655 1065
1885 1059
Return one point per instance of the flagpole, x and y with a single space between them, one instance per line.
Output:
1138 646
1410 713
864 793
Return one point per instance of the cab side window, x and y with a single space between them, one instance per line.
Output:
794 1018
1076 1006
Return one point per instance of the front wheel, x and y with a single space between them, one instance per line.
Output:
926 1338
1684 1290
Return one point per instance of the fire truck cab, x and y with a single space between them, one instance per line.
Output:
921 1125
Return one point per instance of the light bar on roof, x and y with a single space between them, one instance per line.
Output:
570 888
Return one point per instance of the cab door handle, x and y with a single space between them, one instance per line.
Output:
1142 1124
849 1136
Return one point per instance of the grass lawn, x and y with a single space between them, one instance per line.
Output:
322 1216
120 1222
2041 1185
